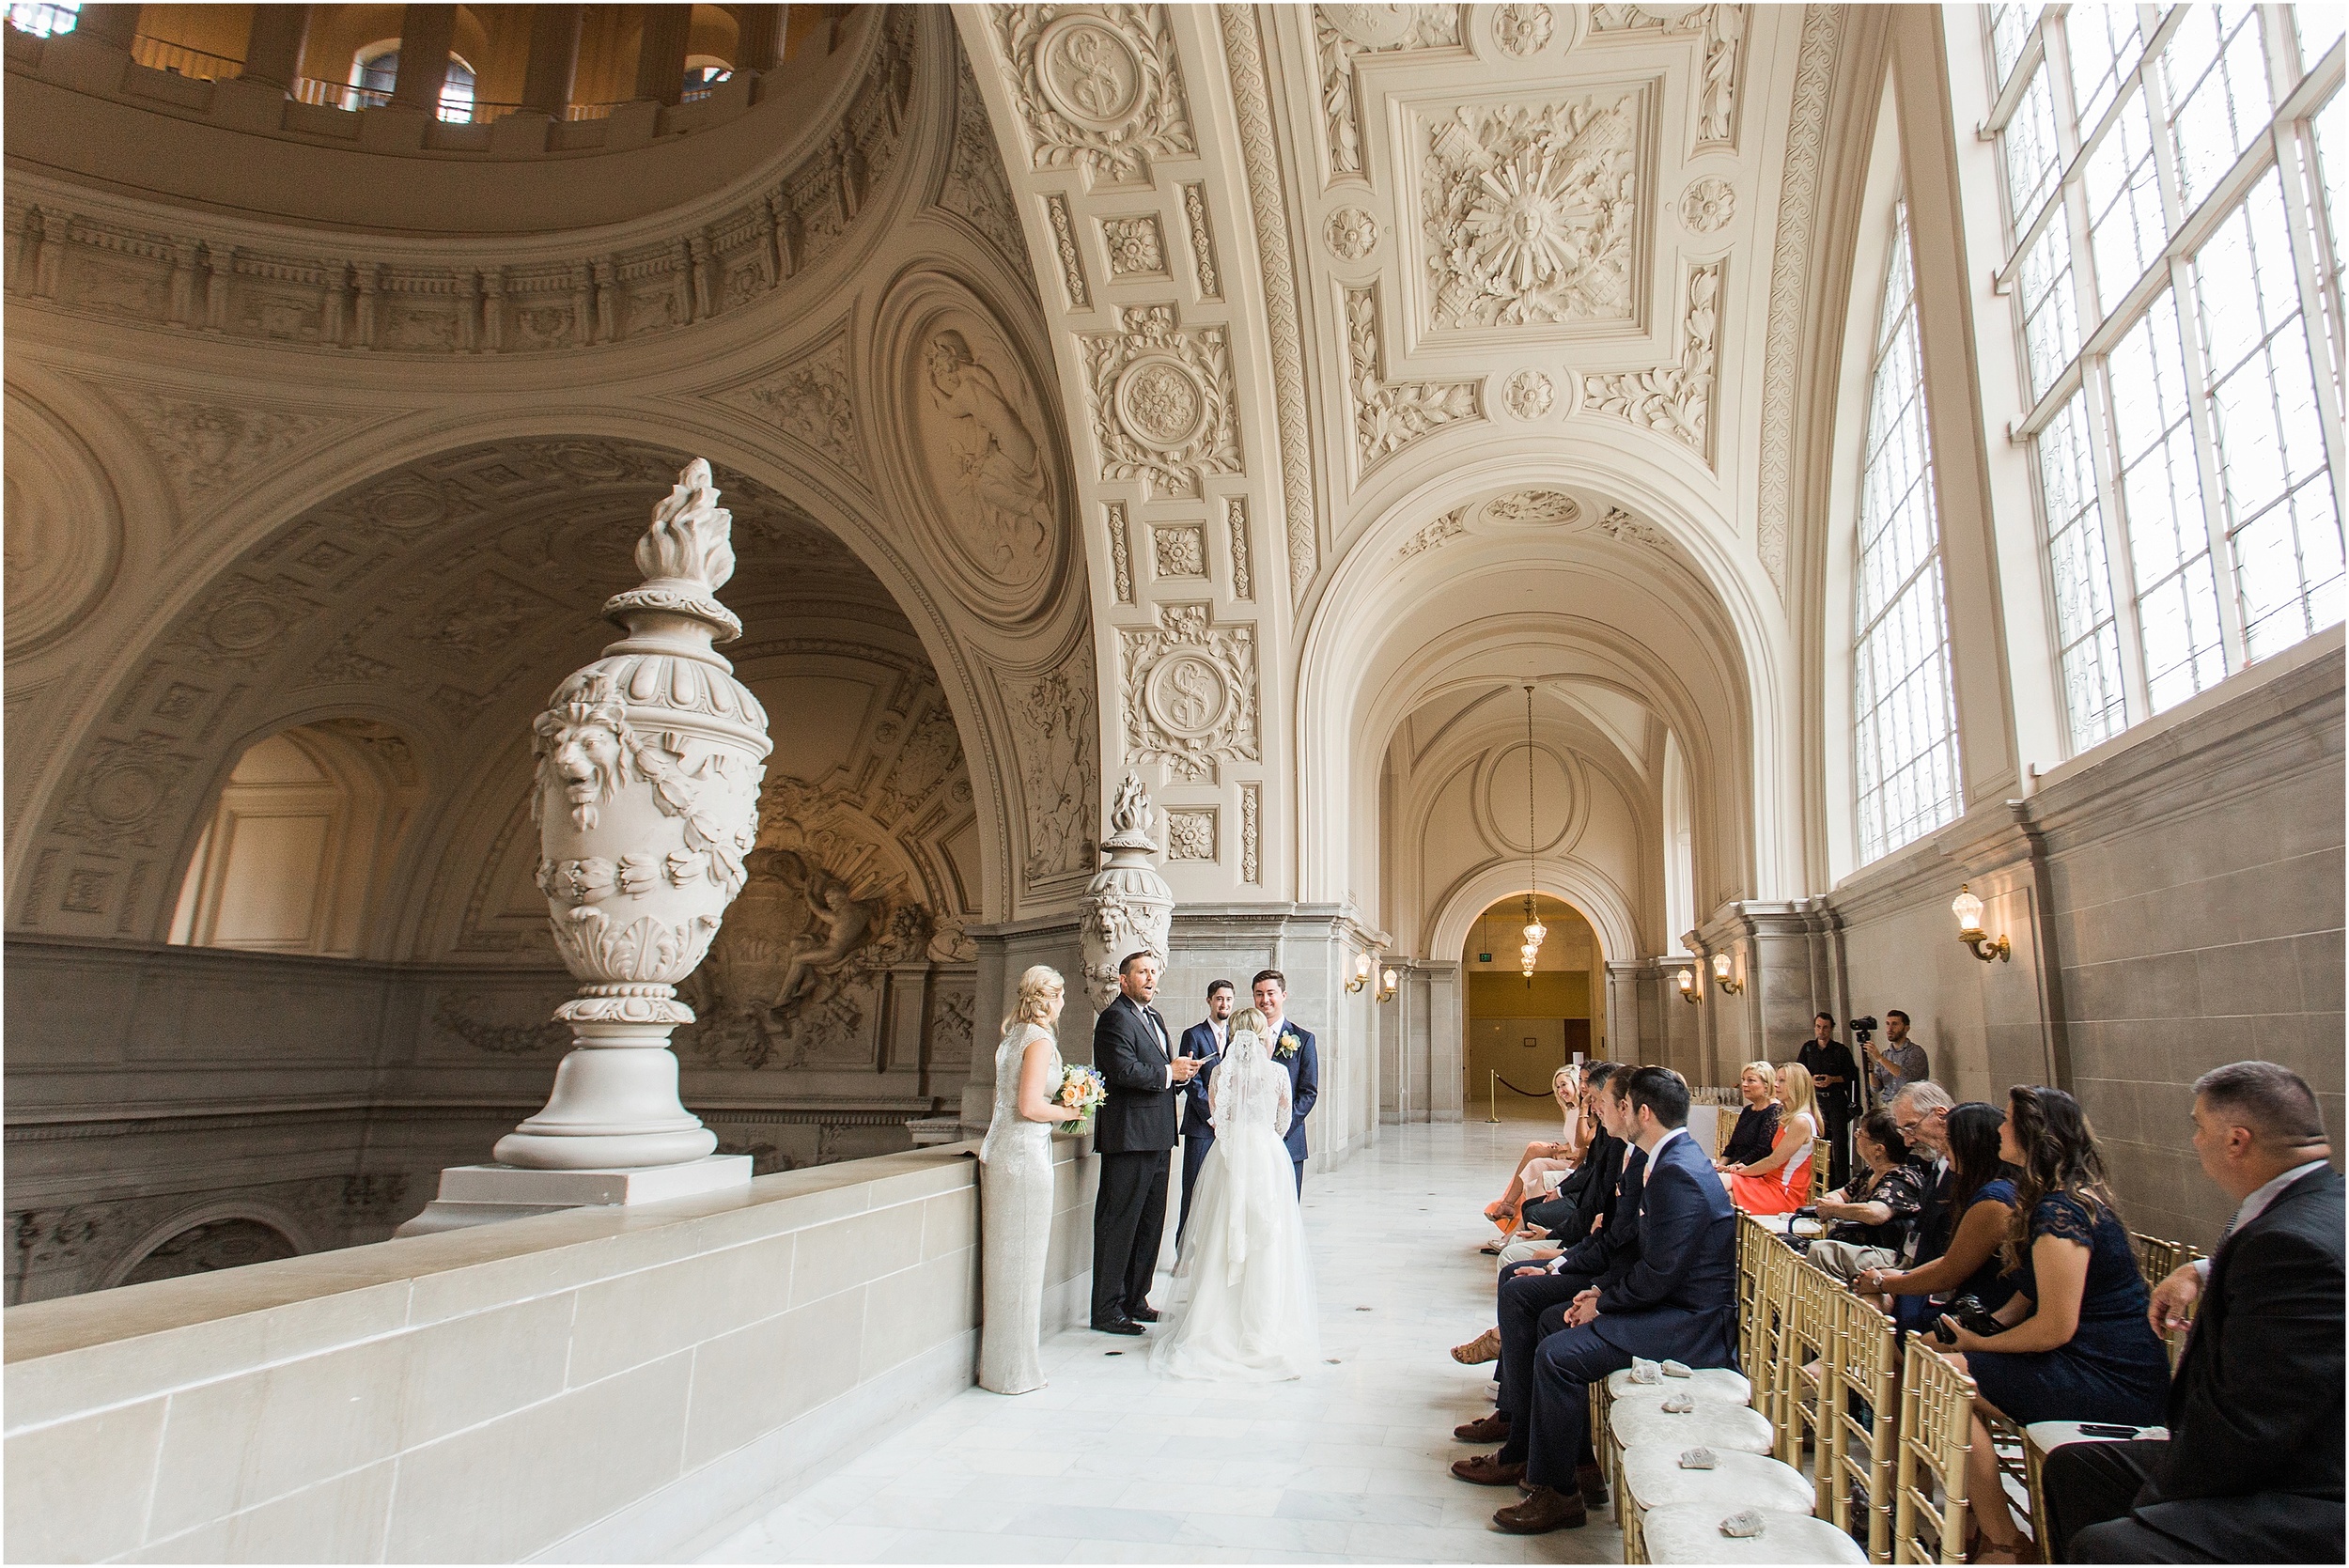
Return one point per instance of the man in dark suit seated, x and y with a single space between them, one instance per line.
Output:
2251 1472
1585 1197
1202 1042
1678 1302
1534 1299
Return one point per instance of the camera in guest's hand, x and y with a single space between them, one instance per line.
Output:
1969 1312
1863 1028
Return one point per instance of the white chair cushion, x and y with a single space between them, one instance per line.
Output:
1692 1533
1707 1383
1712 1425
1654 1478
2051 1436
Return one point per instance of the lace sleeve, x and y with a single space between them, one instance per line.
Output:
2063 1217
1281 1104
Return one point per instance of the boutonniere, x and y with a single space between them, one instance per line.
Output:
1286 1046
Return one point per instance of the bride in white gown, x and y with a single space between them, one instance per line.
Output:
1244 1283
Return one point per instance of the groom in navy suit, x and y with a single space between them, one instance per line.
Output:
1293 1051
1678 1302
1203 1042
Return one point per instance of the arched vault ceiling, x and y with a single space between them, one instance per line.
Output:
1326 281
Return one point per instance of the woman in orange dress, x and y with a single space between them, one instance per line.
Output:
1779 1182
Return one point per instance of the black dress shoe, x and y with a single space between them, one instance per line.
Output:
1144 1313
1122 1326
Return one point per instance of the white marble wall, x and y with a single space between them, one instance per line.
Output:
599 1385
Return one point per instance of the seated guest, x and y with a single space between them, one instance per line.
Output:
2075 1346
1679 1301
1779 1181
1982 1205
2251 1472
1541 1158
1583 1200
1533 1296
1872 1219
1921 1114
1757 1123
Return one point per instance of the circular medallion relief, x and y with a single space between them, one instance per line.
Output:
1088 73
1350 233
1371 26
1161 403
123 795
1188 696
64 532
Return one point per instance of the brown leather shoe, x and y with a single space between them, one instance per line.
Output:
1485 1469
1544 1510
1488 1429
1483 1347
1590 1481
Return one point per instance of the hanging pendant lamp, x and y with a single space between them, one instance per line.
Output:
1535 929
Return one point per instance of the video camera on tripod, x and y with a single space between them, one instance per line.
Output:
1863 1028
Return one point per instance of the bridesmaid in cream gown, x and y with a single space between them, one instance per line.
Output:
1016 1188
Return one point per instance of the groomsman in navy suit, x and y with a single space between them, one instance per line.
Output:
1678 1302
1203 1041
1293 1049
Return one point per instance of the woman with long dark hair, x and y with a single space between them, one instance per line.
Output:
1982 1196
2076 1345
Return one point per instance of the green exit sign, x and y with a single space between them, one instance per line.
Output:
1484 957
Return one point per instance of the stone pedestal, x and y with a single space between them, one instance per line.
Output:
483 1194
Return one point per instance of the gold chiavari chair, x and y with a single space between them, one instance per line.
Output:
1936 1435
1858 1468
1820 1161
1807 1348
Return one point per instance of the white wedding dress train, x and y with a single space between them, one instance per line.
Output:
1244 1302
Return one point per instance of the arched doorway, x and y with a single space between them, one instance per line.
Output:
1519 1029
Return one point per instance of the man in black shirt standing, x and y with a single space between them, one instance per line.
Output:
1832 1073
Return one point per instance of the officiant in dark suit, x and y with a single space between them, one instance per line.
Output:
1293 1051
1202 1042
1134 1134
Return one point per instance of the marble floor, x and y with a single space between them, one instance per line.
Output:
1110 1463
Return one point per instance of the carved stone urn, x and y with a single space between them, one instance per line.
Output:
649 762
1127 906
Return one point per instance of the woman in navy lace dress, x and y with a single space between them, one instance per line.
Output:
2077 1346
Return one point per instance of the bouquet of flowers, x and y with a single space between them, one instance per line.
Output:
1081 1091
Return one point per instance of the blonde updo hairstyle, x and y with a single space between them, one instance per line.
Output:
1037 987
1248 1020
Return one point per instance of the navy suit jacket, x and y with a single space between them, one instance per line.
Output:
1304 1070
1198 1041
1610 1253
1680 1298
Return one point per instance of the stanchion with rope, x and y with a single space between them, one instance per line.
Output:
1493 1085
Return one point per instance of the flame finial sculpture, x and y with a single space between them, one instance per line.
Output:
649 762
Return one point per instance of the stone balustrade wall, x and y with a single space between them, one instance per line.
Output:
602 1385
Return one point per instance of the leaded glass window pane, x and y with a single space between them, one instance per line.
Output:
2124 223
2088 638
2031 154
2104 44
1907 729
2052 326
2215 68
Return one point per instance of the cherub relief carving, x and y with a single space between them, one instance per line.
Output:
996 455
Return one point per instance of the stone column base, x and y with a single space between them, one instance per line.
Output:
484 1194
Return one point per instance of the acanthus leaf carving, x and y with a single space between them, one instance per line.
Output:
1072 266
813 402
1202 240
1121 550
1059 771
1190 693
209 449
1098 88
1529 215
1449 526
1162 401
1673 399
974 187
1390 415
1722 29
1620 525
1339 33
1243 570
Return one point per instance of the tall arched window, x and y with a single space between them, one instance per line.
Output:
1906 740
2172 196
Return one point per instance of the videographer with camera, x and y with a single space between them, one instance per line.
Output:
1898 1063
2073 1344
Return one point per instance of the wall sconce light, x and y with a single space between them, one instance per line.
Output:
1720 975
1968 909
1362 967
1688 979
1386 985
